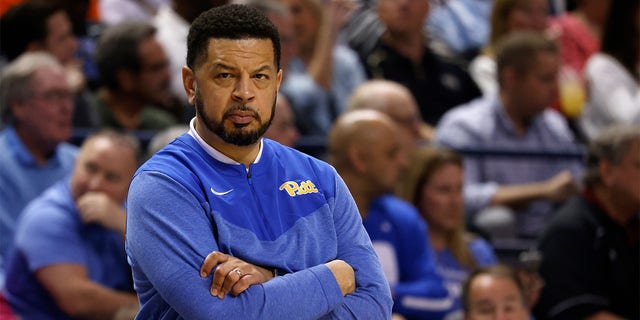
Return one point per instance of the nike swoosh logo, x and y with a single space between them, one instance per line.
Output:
220 193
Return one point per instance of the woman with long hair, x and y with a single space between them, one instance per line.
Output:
434 185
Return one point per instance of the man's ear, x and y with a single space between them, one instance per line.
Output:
19 110
605 167
189 83
278 79
507 77
357 158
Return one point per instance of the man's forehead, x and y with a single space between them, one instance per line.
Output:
233 48
247 43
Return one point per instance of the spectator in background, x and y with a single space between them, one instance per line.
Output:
43 25
403 54
69 259
322 76
172 21
516 120
494 293
135 77
365 148
35 25
613 74
434 186
283 126
397 102
37 108
507 16
590 249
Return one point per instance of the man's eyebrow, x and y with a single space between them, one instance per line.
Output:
263 68
513 298
483 302
221 66
218 66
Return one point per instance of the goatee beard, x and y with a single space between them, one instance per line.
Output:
236 136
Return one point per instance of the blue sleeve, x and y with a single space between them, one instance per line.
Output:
372 298
168 223
49 236
421 293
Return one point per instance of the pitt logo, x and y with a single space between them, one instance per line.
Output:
293 189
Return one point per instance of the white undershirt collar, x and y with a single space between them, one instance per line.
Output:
212 151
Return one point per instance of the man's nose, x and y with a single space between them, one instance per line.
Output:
243 91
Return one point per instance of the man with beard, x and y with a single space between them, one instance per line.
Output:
224 223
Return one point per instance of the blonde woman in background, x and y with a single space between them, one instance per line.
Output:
434 185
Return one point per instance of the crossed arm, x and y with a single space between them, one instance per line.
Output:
166 220
232 275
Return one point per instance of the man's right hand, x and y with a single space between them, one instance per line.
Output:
344 275
231 274
561 186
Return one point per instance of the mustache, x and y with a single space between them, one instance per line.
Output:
241 107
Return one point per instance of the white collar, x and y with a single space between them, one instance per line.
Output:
212 151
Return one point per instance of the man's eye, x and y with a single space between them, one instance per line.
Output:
91 167
224 75
112 177
485 311
261 76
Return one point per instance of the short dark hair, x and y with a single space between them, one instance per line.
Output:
117 49
25 23
230 21
517 50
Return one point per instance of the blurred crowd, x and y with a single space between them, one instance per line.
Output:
489 144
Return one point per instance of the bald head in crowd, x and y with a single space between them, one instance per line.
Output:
397 102
494 292
365 147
